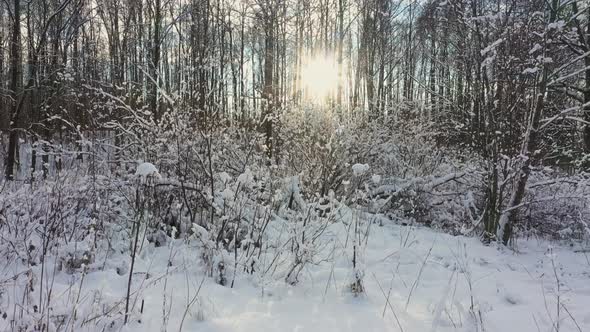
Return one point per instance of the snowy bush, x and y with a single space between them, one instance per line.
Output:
557 206
238 215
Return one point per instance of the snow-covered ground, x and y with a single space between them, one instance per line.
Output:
415 279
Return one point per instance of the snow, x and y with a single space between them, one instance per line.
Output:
292 193
224 177
414 277
492 46
556 25
145 170
535 48
246 179
508 290
376 178
426 275
227 194
360 169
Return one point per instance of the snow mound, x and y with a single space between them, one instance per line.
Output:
145 170
360 169
224 177
246 179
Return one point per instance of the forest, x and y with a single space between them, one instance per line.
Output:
316 165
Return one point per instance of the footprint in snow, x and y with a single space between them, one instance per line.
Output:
481 261
512 298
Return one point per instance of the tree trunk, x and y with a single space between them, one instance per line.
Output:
154 66
587 102
15 75
529 146
341 4
3 114
586 110
268 91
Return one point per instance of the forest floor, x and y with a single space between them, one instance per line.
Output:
433 282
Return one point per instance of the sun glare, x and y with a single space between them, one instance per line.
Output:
319 78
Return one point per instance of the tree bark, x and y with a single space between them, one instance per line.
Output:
15 74
529 147
268 91
155 60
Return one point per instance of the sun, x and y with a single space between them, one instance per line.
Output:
319 77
